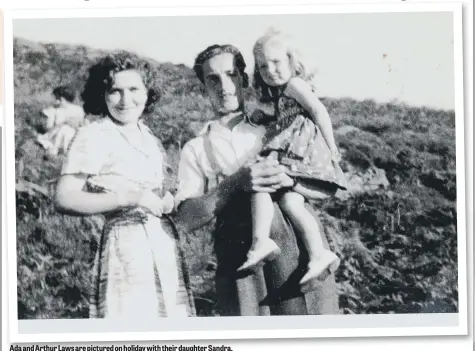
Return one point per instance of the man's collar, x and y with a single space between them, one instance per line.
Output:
218 126
207 127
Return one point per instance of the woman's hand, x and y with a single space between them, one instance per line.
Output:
266 175
168 203
151 203
335 155
142 198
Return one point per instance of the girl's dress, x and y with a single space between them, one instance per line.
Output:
139 270
299 143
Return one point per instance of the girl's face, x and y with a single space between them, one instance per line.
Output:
274 64
127 97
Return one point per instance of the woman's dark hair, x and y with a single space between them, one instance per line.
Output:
66 92
101 79
214 50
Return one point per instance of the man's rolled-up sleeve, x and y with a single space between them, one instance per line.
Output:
191 178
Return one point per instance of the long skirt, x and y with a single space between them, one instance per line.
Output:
139 271
273 289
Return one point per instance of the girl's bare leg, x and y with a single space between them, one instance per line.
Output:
320 259
263 247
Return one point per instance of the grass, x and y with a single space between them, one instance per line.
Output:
398 245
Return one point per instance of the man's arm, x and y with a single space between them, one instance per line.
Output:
311 192
196 208
194 213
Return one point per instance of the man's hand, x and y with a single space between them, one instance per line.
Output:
266 175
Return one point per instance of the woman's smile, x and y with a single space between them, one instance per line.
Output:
127 97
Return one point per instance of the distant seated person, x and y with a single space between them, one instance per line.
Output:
62 121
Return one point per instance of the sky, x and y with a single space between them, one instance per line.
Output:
407 57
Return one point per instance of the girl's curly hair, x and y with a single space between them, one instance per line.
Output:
265 92
101 79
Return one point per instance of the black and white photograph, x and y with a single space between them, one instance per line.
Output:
174 167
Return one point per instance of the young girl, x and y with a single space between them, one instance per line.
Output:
299 133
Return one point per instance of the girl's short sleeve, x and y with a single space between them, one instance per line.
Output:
86 154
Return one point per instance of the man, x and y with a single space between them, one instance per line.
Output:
213 183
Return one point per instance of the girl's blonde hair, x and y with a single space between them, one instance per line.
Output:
266 92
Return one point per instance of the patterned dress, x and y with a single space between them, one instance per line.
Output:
298 143
139 270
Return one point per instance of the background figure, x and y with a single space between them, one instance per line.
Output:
62 121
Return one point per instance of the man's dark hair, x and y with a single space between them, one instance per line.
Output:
214 50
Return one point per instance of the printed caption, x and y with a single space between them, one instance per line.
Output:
122 348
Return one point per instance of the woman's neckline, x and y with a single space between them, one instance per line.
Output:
142 144
128 126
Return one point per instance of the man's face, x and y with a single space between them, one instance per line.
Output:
223 83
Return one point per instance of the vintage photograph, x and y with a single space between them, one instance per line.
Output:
239 165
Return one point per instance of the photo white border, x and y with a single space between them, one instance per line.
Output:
460 329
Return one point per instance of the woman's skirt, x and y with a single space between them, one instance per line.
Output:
139 270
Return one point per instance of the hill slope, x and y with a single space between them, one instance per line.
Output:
398 244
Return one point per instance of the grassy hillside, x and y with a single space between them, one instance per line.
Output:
398 244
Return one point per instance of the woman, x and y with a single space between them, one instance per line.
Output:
114 167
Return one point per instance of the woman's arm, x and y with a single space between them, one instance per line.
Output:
72 199
299 90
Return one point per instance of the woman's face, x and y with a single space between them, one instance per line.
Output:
127 97
274 64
